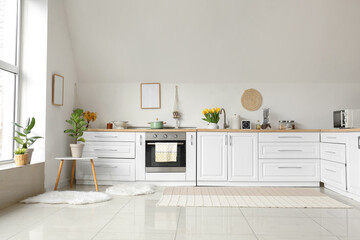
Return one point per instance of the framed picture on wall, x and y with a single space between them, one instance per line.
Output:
58 90
150 96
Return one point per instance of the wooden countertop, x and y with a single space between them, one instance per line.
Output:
221 130
255 130
144 130
341 130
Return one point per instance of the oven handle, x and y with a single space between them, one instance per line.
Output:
178 143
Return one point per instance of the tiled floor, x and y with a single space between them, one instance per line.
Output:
138 218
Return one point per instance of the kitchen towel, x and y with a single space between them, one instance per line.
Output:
165 152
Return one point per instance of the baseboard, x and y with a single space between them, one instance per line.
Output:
259 184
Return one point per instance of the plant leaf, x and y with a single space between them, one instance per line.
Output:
32 124
19 140
20 134
18 125
81 140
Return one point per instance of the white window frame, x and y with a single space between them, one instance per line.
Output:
15 70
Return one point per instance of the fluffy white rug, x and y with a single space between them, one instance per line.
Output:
131 189
68 197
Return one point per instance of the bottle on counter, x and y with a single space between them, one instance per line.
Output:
258 125
235 122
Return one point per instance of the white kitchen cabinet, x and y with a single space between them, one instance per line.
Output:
353 163
140 157
242 157
212 156
190 157
116 157
289 170
333 174
289 150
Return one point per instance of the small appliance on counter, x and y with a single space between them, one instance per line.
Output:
266 122
245 124
347 118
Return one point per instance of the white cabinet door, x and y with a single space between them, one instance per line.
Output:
353 163
212 156
191 156
243 159
140 157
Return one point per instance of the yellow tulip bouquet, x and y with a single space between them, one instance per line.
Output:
90 117
212 115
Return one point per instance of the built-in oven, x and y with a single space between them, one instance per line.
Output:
153 166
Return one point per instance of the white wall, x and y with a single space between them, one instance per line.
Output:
32 87
303 56
309 104
60 61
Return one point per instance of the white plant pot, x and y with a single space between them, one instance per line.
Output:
213 126
77 150
29 151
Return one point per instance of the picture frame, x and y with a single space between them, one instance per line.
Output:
150 96
58 90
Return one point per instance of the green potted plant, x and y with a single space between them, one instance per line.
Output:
23 138
21 157
78 124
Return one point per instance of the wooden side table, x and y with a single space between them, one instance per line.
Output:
62 159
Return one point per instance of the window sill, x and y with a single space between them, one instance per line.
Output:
11 165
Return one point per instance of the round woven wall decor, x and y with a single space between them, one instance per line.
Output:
251 99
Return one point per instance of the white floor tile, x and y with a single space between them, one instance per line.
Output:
134 236
206 236
272 212
213 225
138 218
285 226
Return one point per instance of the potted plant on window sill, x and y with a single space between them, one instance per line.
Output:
78 124
21 157
23 139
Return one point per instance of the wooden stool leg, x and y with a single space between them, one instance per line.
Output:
58 176
72 173
93 170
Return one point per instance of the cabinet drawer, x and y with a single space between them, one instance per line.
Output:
333 152
289 170
333 137
289 137
288 150
333 174
109 136
110 149
120 169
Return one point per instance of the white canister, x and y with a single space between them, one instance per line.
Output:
235 122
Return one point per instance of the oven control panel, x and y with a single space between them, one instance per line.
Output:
165 136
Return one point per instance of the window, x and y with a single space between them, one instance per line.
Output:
9 70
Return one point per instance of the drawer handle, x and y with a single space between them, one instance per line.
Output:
99 149
106 136
330 170
290 167
330 152
331 137
105 166
289 136
290 150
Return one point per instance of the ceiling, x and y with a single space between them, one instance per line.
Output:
215 40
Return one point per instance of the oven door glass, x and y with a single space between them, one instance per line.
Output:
338 119
180 160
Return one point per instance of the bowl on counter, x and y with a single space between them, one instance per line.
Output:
119 124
